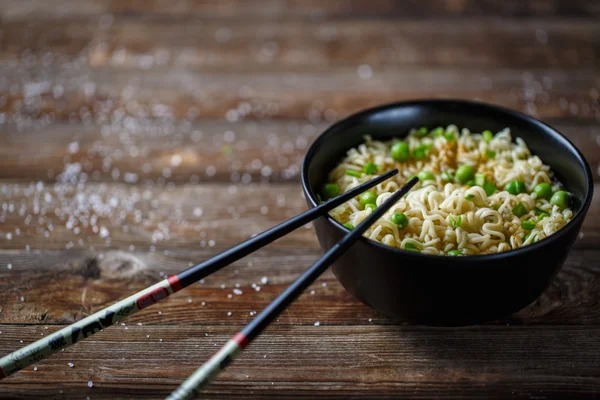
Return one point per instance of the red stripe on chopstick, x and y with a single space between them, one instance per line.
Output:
241 339
175 283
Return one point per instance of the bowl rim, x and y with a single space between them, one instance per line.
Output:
547 129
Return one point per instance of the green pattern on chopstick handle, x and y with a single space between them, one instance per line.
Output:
210 369
41 349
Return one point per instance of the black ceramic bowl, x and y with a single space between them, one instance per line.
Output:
441 289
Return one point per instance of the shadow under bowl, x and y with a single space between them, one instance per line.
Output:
442 290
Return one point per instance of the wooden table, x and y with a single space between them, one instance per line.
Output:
139 137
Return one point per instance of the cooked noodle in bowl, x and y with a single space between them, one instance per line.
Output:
479 193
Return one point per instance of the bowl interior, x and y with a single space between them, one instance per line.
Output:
396 120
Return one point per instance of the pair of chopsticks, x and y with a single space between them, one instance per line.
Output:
71 334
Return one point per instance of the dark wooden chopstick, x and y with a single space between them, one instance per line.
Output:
79 330
219 361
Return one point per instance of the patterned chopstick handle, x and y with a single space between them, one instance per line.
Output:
210 369
73 333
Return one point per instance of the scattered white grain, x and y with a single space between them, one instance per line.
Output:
71 365
90 384
317 323
324 284
264 280
237 292
9 266
312 292
229 313
176 160
35 368
365 71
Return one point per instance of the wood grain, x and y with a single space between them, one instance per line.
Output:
169 217
176 93
315 9
59 287
265 150
394 361
295 46
190 120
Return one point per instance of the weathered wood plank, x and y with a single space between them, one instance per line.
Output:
171 217
250 45
307 361
57 287
79 92
314 9
270 150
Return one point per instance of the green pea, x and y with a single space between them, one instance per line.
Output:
487 136
349 226
449 136
480 179
411 247
489 154
370 168
351 172
560 199
489 188
423 131
454 253
367 197
542 190
421 151
520 210
528 225
464 173
399 219
400 151
331 190
515 187
370 206
426 176
439 131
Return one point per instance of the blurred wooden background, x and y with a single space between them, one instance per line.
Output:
138 137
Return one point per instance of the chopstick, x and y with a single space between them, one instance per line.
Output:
219 361
79 330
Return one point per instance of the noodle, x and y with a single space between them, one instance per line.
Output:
478 193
